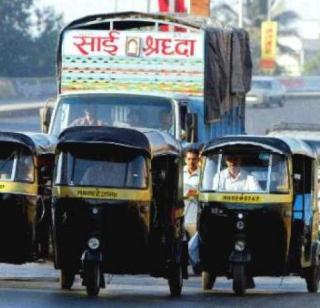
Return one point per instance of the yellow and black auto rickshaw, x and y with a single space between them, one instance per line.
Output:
26 160
117 206
258 210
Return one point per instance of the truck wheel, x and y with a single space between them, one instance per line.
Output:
312 276
208 280
66 279
175 280
239 279
92 276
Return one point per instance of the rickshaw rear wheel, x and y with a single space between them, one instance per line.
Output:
92 277
312 276
175 280
239 279
66 279
208 280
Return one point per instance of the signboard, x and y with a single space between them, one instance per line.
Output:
268 44
133 60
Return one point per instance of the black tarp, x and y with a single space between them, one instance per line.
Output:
216 72
241 63
227 70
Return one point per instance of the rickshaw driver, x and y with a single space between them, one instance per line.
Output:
234 178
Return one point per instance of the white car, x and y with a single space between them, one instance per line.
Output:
266 91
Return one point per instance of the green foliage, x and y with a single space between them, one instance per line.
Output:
312 66
28 39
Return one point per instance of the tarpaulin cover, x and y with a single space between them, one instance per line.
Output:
241 63
227 70
216 71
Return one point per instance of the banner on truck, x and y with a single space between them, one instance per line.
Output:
133 61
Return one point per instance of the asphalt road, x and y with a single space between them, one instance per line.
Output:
306 110
36 285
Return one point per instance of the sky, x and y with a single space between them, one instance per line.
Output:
72 9
308 9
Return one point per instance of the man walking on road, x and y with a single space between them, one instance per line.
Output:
191 175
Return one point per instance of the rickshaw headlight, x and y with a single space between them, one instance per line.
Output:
240 225
239 245
93 243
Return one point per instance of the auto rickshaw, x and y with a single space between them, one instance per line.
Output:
117 206
268 225
25 196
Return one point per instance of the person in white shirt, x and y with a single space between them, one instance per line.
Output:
191 175
234 178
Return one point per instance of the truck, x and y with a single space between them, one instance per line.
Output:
193 69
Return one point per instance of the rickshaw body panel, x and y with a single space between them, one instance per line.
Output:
267 228
17 219
281 229
138 227
23 196
124 233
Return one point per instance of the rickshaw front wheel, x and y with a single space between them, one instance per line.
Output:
208 280
92 277
175 280
312 276
239 279
66 279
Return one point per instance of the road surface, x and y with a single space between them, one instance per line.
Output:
36 285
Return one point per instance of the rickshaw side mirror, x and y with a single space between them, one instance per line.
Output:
45 115
191 134
297 177
45 173
296 181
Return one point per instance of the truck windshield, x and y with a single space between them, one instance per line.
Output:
102 169
252 172
113 110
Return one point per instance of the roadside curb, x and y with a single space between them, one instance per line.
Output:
30 279
19 109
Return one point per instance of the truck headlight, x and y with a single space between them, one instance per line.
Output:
93 243
239 245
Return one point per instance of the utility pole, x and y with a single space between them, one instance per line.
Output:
116 5
240 13
172 6
148 6
269 10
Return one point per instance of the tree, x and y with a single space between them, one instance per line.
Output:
28 39
255 12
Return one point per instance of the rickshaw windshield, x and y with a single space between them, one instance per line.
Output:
250 172
102 169
16 165
7 158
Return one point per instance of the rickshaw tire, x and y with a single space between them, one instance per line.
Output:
312 277
239 279
92 279
208 280
66 279
175 280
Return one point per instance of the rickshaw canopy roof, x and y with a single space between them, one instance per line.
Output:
37 143
152 142
162 143
282 145
105 135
